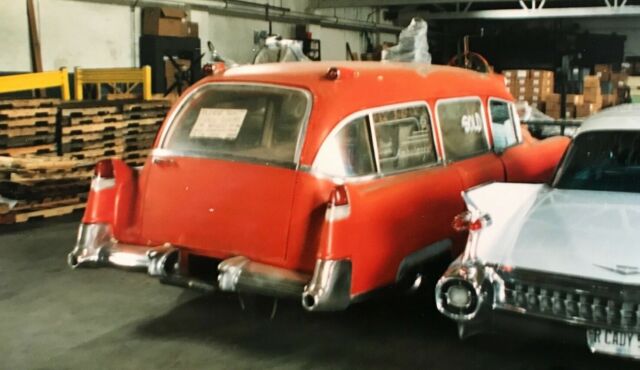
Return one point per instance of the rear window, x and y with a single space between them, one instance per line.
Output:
606 160
463 128
242 122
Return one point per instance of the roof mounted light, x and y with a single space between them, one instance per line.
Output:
339 73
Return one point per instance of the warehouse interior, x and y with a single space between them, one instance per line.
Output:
90 91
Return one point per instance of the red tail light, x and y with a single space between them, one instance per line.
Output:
104 169
339 196
464 221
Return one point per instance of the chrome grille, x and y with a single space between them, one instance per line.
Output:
578 301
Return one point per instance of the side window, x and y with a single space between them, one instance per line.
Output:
348 152
502 124
462 126
404 138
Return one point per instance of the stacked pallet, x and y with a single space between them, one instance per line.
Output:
143 122
41 186
27 126
95 131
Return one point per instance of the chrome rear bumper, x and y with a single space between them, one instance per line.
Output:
96 247
327 290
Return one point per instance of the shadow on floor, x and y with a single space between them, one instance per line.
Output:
396 332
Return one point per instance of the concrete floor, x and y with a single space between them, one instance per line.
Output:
55 318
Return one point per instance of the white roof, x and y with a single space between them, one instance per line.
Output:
621 117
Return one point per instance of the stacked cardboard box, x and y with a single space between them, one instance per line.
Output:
532 86
552 105
592 94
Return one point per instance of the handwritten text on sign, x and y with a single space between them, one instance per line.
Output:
214 123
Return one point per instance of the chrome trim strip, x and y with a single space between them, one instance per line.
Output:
168 153
301 135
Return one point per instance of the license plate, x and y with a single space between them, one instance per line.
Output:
614 342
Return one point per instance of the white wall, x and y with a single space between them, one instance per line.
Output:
85 34
90 34
14 37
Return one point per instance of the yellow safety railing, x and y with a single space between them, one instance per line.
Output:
34 81
113 76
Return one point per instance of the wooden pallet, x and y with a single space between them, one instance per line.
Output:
28 103
143 137
44 189
147 105
87 145
145 114
135 154
31 179
27 131
140 130
88 111
114 117
40 163
27 112
28 122
92 128
145 121
36 149
109 135
45 203
26 141
19 217
98 153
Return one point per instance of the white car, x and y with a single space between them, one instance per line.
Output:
564 255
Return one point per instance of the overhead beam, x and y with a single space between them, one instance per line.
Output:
580 12
318 4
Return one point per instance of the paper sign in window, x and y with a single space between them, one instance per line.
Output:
215 123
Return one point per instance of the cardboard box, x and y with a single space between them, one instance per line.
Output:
586 110
192 29
609 100
603 68
553 99
164 21
575 99
170 70
541 75
591 81
592 95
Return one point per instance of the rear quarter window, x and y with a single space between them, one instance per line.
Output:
252 123
462 125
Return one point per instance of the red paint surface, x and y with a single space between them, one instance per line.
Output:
277 216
